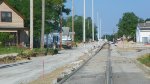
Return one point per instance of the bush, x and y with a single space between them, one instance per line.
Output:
52 51
145 59
9 59
27 54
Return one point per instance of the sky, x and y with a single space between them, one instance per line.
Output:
110 11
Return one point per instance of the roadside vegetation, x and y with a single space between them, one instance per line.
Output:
126 27
145 59
24 54
8 50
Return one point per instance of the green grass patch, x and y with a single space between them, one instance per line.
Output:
145 59
8 50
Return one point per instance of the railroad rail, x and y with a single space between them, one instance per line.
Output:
68 76
108 73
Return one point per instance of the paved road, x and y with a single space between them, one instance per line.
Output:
125 70
93 72
32 70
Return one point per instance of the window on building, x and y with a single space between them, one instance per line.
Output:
6 16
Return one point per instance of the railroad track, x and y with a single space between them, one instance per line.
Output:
108 67
107 74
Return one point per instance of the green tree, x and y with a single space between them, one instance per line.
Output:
141 20
5 37
54 8
148 19
78 24
127 25
108 37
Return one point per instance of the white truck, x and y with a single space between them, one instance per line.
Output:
53 39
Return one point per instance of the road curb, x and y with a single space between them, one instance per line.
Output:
143 67
13 64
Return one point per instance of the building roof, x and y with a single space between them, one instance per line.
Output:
1 1
144 26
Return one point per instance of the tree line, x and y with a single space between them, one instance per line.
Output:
53 10
127 26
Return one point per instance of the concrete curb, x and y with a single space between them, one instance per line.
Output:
6 55
143 67
2 66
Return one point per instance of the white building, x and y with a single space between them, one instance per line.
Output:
143 32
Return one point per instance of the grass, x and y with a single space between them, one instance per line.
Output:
23 53
8 50
145 59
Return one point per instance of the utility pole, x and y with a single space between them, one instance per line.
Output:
73 35
98 26
93 20
31 24
84 24
61 27
43 23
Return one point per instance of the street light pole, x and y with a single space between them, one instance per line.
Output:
31 24
84 24
93 20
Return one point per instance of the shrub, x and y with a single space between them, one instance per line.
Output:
27 53
145 59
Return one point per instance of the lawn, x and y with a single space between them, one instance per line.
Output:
145 59
8 50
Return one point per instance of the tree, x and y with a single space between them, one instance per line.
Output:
127 25
108 37
141 20
148 19
53 9
5 37
78 27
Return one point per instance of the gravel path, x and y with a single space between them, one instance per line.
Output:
30 71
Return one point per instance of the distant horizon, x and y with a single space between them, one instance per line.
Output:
111 11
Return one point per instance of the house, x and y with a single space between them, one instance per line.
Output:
13 22
143 32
